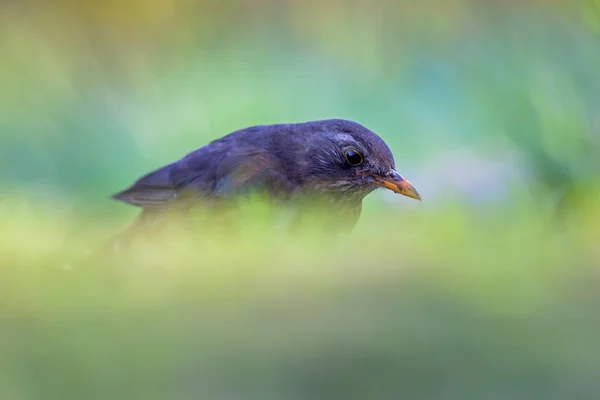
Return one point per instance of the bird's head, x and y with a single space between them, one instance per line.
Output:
345 159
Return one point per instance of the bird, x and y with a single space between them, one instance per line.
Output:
335 162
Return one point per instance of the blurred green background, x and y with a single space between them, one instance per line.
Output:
488 289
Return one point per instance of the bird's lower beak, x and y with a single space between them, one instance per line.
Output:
397 184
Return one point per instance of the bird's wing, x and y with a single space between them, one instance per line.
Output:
206 174
252 170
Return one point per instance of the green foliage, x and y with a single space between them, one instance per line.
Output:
420 304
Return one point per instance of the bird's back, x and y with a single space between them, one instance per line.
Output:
214 171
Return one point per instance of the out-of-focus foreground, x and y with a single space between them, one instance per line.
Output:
488 289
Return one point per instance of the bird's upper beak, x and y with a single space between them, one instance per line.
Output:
397 184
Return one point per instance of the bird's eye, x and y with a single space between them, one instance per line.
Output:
354 158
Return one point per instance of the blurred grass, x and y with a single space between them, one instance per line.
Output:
436 304
482 291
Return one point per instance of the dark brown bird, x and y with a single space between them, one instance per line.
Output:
335 161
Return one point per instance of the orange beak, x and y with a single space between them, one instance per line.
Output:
397 184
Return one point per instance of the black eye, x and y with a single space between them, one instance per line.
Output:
354 158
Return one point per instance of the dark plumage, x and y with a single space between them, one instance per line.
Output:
336 161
